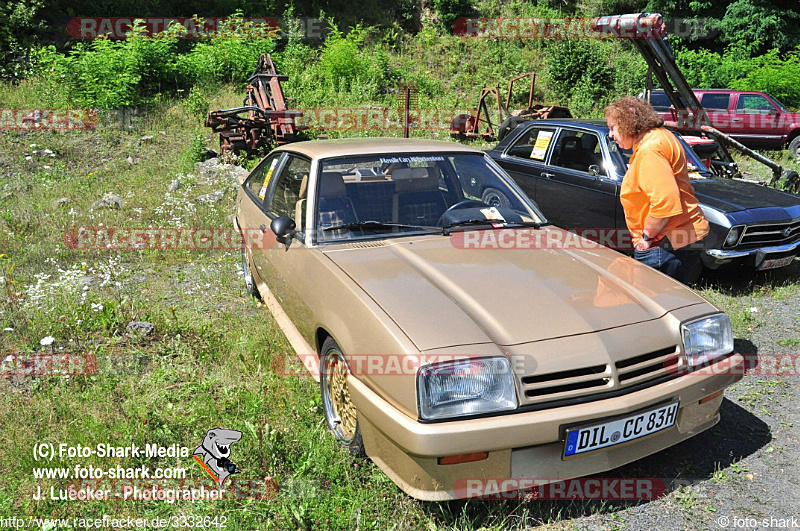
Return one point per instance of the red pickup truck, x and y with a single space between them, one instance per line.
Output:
755 119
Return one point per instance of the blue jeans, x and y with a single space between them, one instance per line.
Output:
683 264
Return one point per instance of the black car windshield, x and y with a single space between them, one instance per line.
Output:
396 194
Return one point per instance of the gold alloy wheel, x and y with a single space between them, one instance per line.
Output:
342 408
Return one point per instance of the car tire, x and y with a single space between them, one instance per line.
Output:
340 412
794 148
247 275
495 198
508 125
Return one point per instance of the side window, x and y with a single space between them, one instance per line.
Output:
532 144
715 101
659 101
754 103
260 178
287 191
577 150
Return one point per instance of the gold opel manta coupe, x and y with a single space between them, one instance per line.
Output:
456 341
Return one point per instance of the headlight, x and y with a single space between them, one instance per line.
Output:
733 236
465 387
707 338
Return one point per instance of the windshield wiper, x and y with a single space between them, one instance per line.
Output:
378 225
494 223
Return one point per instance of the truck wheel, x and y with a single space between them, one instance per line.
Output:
794 148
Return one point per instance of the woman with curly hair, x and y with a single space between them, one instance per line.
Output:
661 210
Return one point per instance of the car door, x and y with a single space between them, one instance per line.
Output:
717 106
579 192
525 158
252 219
282 267
754 121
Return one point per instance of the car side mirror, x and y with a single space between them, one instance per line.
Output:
283 228
594 170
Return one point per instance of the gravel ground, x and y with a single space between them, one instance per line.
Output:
744 472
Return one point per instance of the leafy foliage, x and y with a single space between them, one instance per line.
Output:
450 10
739 68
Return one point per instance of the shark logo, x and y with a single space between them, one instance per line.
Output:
215 451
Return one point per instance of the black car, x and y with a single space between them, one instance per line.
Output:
573 170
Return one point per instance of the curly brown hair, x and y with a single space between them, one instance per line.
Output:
633 116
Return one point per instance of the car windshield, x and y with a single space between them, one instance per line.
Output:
396 194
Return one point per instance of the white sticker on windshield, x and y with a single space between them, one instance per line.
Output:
394 160
492 214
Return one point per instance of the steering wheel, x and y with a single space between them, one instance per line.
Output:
467 203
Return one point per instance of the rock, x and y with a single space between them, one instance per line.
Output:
146 138
174 185
130 160
213 197
108 201
61 201
141 327
213 171
210 153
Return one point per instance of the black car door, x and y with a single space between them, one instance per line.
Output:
525 159
578 192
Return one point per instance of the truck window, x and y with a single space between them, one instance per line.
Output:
715 101
754 103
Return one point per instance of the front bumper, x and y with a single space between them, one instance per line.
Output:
754 257
529 444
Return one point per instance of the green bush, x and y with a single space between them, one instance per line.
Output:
109 74
450 10
739 68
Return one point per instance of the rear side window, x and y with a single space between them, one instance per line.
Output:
715 101
659 101
532 144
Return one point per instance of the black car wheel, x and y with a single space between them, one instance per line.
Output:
249 281
495 198
340 412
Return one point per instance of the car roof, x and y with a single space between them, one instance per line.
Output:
367 146
724 90
590 123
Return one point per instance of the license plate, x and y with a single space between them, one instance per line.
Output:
590 438
775 262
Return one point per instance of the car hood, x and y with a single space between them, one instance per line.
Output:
729 196
442 295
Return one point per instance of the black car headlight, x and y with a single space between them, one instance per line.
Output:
707 338
465 387
733 236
